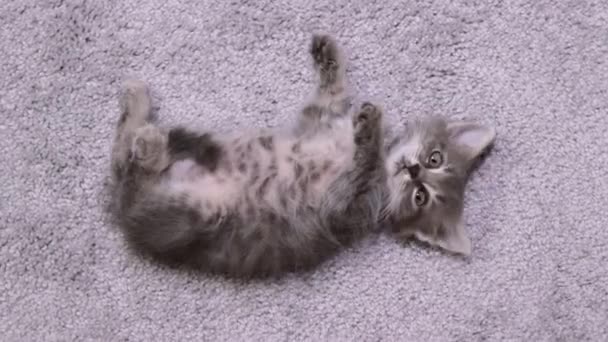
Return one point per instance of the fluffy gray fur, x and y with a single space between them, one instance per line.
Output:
265 202
258 203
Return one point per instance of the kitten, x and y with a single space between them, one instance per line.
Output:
252 204
266 202
427 166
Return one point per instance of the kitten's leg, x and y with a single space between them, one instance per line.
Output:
139 152
135 105
149 149
329 65
152 219
353 200
331 95
368 136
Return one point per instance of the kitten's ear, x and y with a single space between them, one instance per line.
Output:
452 238
471 137
455 238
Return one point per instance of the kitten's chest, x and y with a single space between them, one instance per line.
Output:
335 141
316 161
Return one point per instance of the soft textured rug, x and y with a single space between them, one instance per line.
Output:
536 209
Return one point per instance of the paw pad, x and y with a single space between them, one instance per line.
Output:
148 142
324 51
369 112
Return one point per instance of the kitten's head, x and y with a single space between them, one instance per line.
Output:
427 169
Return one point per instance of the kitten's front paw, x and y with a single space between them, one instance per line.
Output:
149 149
367 123
324 52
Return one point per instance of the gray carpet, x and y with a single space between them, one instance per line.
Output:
536 209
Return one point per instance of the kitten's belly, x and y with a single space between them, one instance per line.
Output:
184 171
210 191
311 165
296 171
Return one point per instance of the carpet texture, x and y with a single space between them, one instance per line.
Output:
536 208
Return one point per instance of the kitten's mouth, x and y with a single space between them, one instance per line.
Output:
401 165
413 170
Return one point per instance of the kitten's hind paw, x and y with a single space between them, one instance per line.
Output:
149 149
367 123
135 101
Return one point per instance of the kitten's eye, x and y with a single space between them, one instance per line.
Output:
421 196
435 159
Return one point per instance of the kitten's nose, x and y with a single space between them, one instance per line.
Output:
414 170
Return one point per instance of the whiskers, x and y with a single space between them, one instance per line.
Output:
395 196
400 165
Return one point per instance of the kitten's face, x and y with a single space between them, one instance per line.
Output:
427 168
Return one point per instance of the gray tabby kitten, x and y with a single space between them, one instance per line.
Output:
252 204
261 203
